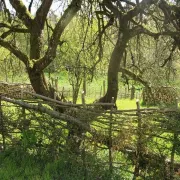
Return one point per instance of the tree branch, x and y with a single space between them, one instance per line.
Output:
113 8
22 12
50 112
15 51
42 12
142 30
13 30
129 2
30 5
139 8
134 76
69 13
168 14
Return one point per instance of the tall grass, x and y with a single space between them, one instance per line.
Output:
19 165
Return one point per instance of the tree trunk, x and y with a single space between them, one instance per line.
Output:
39 84
114 65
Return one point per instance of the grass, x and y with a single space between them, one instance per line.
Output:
126 104
19 165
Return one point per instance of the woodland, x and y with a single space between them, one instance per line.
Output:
54 44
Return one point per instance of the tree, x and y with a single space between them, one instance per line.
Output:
131 20
35 62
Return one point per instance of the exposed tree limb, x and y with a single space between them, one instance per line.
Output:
139 8
22 12
129 2
113 8
142 30
30 5
69 13
15 51
169 15
134 76
13 30
42 12
52 113
169 58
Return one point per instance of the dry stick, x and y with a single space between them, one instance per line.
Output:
66 104
24 117
101 92
2 125
104 88
110 140
56 84
139 141
175 138
54 114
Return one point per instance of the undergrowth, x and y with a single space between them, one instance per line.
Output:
16 164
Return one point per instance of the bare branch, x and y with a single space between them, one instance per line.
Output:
42 12
169 58
15 51
69 13
113 8
139 8
22 12
129 2
50 112
134 76
142 30
30 5
13 30
169 16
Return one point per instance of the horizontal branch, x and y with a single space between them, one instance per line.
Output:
52 113
134 76
13 30
13 49
142 30
64 103
129 2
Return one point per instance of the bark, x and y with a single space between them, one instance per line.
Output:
38 83
22 12
113 69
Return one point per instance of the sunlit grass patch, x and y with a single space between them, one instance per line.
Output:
126 104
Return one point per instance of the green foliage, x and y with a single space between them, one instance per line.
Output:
29 139
17 164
